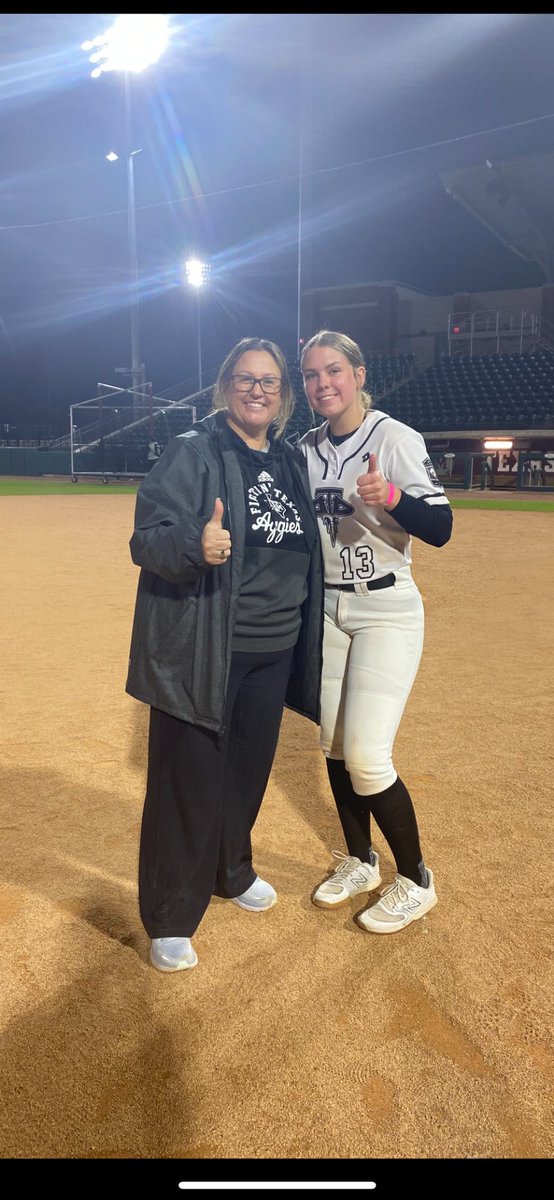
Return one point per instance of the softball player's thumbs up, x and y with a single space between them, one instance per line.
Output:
216 541
372 487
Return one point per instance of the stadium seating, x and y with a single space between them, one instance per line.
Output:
487 392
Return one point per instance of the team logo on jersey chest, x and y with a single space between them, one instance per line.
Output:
330 505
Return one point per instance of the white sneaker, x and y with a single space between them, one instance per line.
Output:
259 896
350 879
172 954
400 904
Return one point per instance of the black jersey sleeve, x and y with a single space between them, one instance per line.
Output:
432 523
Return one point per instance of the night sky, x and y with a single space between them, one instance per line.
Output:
239 108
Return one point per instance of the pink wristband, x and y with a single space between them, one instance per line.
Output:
390 496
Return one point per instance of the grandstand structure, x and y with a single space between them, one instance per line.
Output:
512 199
465 370
459 405
110 434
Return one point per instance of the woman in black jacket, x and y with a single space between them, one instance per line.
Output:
227 629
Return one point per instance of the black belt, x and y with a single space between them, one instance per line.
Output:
372 585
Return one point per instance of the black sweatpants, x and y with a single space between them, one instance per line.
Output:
203 795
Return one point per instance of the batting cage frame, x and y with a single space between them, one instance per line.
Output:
118 433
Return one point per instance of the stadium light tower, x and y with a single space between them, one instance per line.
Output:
135 41
198 275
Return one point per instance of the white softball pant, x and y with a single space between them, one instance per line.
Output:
371 652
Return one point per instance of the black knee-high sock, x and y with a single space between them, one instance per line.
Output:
354 811
394 812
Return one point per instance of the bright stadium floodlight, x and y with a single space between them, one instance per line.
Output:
198 275
134 42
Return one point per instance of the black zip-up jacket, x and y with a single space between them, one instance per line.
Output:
185 610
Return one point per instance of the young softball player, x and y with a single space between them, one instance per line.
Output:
374 487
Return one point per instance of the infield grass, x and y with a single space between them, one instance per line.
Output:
58 487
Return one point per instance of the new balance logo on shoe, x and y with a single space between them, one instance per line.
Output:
352 878
400 904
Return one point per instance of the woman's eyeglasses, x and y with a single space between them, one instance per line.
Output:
244 383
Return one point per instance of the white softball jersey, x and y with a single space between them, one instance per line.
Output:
362 543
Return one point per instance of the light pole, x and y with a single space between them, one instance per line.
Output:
131 44
137 372
198 275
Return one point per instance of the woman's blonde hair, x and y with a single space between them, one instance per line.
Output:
223 381
345 345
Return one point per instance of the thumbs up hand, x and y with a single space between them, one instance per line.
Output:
216 541
373 489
